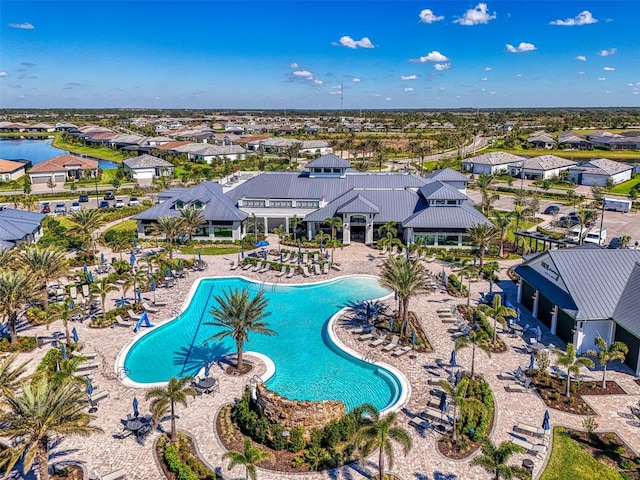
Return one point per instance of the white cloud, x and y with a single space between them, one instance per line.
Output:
408 77
427 16
492 93
484 79
356 80
334 92
442 66
475 16
523 47
317 82
609 69
518 75
487 69
580 73
408 89
607 53
347 41
601 78
582 58
22 26
4 74
294 65
303 74
434 56
388 99
583 18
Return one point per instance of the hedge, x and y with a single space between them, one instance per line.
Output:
175 465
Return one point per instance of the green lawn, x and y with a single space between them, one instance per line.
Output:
625 187
102 152
223 249
125 225
570 154
569 461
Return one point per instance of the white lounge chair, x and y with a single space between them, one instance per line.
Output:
367 335
316 257
379 341
121 323
529 429
85 291
286 257
247 266
73 292
305 257
432 259
335 266
133 315
394 250
257 267
316 269
234 265
87 366
282 271
305 271
325 269
96 397
530 447
419 422
265 269
398 352
87 355
384 250
392 344
517 388
149 308
292 272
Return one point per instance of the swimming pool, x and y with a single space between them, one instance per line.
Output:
308 364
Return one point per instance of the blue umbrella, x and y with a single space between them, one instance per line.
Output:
413 336
200 255
458 377
63 351
206 369
85 269
89 386
545 421
168 272
443 402
242 253
281 257
453 362
490 285
406 251
262 243
132 259
72 305
299 253
532 362
135 242
138 295
265 254
153 285
391 324
102 258
90 277
135 407
122 302
74 334
474 260
179 264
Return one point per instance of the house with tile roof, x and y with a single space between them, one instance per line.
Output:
10 170
573 141
541 167
147 167
491 163
63 167
541 140
583 292
19 226
600 171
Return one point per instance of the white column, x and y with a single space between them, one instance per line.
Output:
346 234
536 299
368 235
519 294
554 319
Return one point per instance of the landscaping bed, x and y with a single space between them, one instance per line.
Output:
467 313
72 472
181 461
422 343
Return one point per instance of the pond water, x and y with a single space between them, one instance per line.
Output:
38 151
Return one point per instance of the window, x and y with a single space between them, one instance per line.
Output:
327 170
438 202
198 204
317 170
358 219
280 203
448 240
427 239
452 202
222 232
179 204
307 204
253 203
337 170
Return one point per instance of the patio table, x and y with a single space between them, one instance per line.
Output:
207 382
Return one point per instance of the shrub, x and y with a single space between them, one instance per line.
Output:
296 440
25 344
278 441
36 315
175 465
627 464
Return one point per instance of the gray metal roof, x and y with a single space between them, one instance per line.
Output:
626 312
358 204
547 162
328 161
441 217
16 224
146 161
551 291
448 175
494 158
436 190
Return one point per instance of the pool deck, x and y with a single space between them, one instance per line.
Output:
102 453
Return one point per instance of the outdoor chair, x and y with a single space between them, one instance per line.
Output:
529 429
419 422
148 308
133 315
234 265
379 341
325 269
247 266
265 269
85 291
292 272
367 335
316 269
305 271
73 292
392 344
286 257
257 267
282 271
401 351
305 257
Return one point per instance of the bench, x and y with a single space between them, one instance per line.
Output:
530 447
524 428
98 396
516 387
419 422
115 475
87 366
435 414
87 355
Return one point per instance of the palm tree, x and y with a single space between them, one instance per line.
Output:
238 315
294 223
573 363
585 217
606 354
378 434
322 238
468 271
45 264
292 152
481 234
192 220
120 241
28 202
456 395
502 222
249 458
388 232
85 222
63 311
475 339
16 289
169 227
10 374
280 232
37 414
406 278
498 312
335 223
101 288
164 399
494 460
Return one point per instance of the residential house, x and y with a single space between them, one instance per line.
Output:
61 168
600 172
541 140
146 167
19 226
41 127
315 147
615 141
541 167
573 141
491 163
10 170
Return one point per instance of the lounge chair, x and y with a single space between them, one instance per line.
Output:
507 376
292 272
435 414
432 259
96 397
392 344
257 267
115 475
85 291
398 352
73 292
316 269
305 257
133 315
265 269
335 266
530 447
148 308
419 422
286 257
384 250
87 355
121 323
367 335
379 341
87 366
305 271
443 310
394 250
234 265
282 271
325 269
529 429
247 266
517 388
316 258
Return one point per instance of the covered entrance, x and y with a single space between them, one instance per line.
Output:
565 327
527 296
358 233
633 342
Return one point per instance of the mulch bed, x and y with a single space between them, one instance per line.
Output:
637 380
72 472
467 314
548 387
233 370
608 448
189 447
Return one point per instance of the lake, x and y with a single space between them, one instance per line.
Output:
38 151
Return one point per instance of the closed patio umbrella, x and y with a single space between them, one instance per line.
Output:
453 362
102 258
63 351
490 285
90 277
89 386
545 421
443 402
532 362
135 242
206 369
74 334
168 272
138 296
458 377
132 259
281 257
200 255
413 336
85 269
390 323
135 407
153 289
242 253
179 264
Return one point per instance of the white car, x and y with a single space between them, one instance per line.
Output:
134 202
75 207
119 203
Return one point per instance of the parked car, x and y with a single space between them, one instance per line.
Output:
119 203
60 209
615 243
109 196
83 198
551 210
75 207
567 222
46 208
134 202
103 204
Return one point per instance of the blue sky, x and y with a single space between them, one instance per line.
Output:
297 54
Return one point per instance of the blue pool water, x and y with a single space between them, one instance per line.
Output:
37 151
308 365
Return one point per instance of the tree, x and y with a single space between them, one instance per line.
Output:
406 278
249 458
606 354
101 288
481 234
63 311
85 222
192 220
378 435
494 460
388 232
335 223
44 264
238 315
476 339
572 363
292 151
585 217
51 184
294 223
37 414
10 374
456 395
164 399
119 241
597 195
498 311
16 289
169 227
116 183
502 222
29 202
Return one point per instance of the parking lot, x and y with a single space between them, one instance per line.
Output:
92 203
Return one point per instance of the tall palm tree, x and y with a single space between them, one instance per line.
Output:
10 374
323 238
498 311
388 232
238 315
335 223
606 354
120 241
85 222
585 217
101 288
494 460
39 413
456 396
16 289
294 223
379 435
481 234
475 339
45 264
572 363
137 279
406 278
63 311
502 222
169 227
164 399
291 152
468 271
29 202
192 220
249 458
